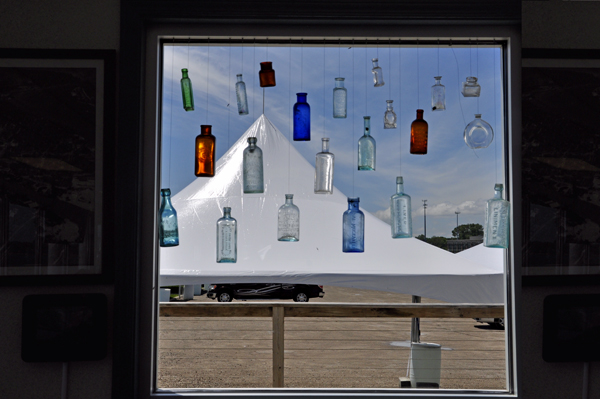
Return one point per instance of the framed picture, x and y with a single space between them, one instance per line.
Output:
561 166
57 131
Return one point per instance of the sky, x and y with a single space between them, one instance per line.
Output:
452 177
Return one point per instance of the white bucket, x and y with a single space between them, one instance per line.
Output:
165 295
425 365
188 292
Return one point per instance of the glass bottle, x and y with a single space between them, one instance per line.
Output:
418 134
438 95
353 228
240 93
205 152
389 118
471 88
324 169
253 168
288 220
340 99
186 91
478 133
301 118
366 148
401 213
497 214
168 231
266 74
377 73
226 238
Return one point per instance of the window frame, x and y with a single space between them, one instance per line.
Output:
141 377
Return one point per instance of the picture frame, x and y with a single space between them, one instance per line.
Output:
560 166
57 134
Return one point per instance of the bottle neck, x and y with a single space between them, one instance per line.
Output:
301 97
239 78
205 130
399 188
498 194
419 114
389 107
367 126
353 205
184 73
339 83
325 146
227 214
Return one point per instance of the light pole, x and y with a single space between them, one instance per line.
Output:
457 213
424 218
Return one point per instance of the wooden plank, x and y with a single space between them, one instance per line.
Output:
198 309
278 346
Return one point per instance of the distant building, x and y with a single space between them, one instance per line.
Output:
455 246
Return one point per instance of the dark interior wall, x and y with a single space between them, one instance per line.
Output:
53 24
94 24
554 24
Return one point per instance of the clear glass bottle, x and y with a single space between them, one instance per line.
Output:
168 231
240 93
438 95
226 238
324 169
497 218
401 213
471 88
186 91
366 148
353 228
205 152
288 220
389 118
340 99
266 74
478 133
377 73
419 131
301 118
253 168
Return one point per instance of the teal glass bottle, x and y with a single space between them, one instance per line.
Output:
401 213
253 168
288 220
186 91
497 218
168 231
366 148
301 118
226 238
353 239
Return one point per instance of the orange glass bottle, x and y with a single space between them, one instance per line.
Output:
266 74
418 134
205 152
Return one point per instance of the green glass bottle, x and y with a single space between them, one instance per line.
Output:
186 91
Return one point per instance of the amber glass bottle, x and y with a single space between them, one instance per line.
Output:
418 134
266 74
205 152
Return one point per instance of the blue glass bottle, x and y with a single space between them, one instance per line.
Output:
497 218
226 238
401 214
354 228
301 118
366 148
168 232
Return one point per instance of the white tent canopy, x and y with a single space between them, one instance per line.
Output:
406 266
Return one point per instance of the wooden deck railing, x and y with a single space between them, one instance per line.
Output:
278 311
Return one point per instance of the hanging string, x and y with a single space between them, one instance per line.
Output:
229 96
458 84
171 112
418 91
377 47
254 79
470 58
324 85
390 68
477 67
290 118
188 52
207 75
366 72
438 56
400 100
340 57
354 147
496 119
267 58
301 65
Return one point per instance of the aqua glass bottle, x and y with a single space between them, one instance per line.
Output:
186 91
497 219
288 220
168 231
253 168
340 99
401 213
366 148
353 228
226 238
240 93
471 88
301 118
377 73
389 118
324 169
438 95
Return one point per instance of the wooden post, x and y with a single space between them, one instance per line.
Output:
278 354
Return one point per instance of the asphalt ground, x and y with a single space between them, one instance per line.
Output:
326 352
